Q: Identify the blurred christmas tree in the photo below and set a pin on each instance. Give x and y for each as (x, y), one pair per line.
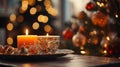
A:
(35, 15)
(96, 35)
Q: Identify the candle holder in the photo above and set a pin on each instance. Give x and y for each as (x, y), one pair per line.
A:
(48, 44)
(28, 41)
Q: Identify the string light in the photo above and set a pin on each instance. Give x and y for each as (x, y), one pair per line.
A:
(45, 19)
(81, 47)
(83, 52)
(33, 11)
(105, 45)
(10, 26)
(100, 4)
(12, 17)
(116, 15)
(47, 28)
(10, 40)
(108, 38)
(105, 51)
(24, 5)
(31, 2)
(42, 18)
(35, 25)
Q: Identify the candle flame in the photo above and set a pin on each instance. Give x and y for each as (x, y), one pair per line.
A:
(26, 31)
(47, 34)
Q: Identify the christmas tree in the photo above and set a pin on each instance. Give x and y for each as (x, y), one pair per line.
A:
(98, 34)
(35, 15)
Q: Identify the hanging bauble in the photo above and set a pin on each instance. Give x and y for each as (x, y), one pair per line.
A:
(100, 19)
(90, 6)
(67, 34)
(82, 15)
(79, 39)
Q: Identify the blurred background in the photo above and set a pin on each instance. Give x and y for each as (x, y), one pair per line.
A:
(89, 27)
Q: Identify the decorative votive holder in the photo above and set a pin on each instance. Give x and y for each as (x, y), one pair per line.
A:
(48, 44)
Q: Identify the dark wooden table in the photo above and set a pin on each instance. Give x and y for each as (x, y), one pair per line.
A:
(70, 60)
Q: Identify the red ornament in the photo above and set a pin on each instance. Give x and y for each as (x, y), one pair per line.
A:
(67, 34)
(100, 19)
(90, 6)
(79, 39)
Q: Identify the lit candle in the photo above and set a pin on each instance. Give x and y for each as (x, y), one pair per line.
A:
(49, 42)
(28, 41)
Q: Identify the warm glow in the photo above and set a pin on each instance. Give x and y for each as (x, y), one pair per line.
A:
(52, 11)
(26, 32)
(42, 18)
(39, 0)
(26, 65)
(10, 26)
(105, 51)
(10, 40)
(47, 34)
(33, 11)
(116, 15)
(81, 47)
(108, 38)
(102, 4)
(94, 32)
(35, 25)
(24, 5)
(31, 2)
(20, 18)
(105, 45)
(98, 3)
(47, 3)
(47, 28)
(83, 52)
(12, 17)
(45, 19)
(21, 10)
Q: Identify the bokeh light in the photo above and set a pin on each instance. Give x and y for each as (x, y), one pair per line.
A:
(49, 8)
(48, 28)
(10, 26)
(45, 19)
(10, 40)
(42, 18)
(33, 11)
(31, 2)
(47, 3)
(35, 25)
(12, 17)
(24, 5)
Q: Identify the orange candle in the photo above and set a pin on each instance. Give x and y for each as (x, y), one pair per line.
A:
(28, 41)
